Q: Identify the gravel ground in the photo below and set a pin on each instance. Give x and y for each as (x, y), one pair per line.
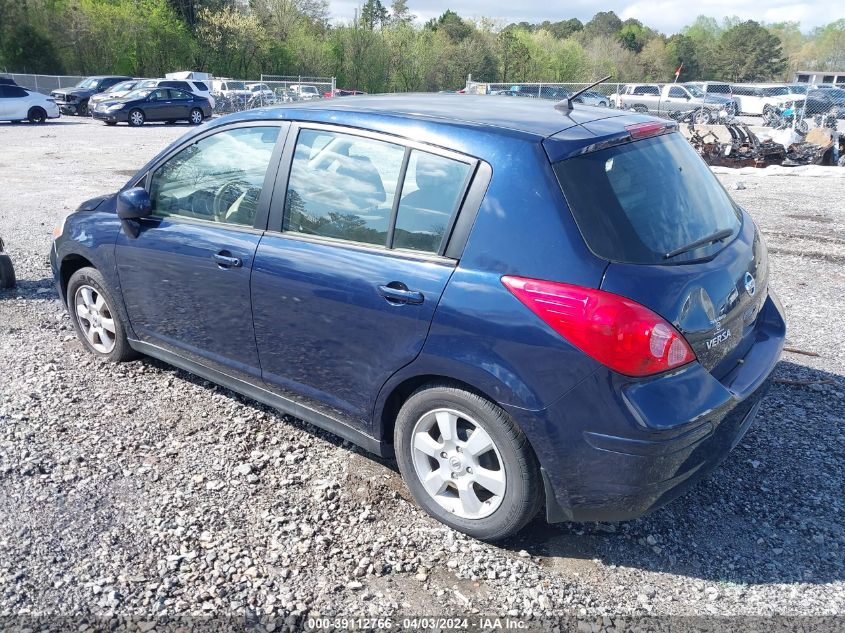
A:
(139, 490)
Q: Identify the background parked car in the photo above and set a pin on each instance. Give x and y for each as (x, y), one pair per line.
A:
(262, 93)
(193, 86)
(712, 87)
(154, 104)
(231, 89)
(74, 100)
(19, 104)
(343, 92)
(757, 100)
(305, 92)
(593, 99)
(115, 92)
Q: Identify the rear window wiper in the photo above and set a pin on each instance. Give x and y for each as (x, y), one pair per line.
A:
(718, 236)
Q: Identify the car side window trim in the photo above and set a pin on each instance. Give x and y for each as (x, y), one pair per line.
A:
(270, 177)
(276, 217)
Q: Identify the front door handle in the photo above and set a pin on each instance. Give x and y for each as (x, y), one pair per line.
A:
(224, 259)
(397, 292)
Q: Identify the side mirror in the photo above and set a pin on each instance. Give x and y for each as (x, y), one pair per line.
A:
(133, 204)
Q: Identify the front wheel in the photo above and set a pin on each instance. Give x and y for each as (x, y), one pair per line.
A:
(82, 109)
(702, 116)
(196, 116)
(96, 321)
(466, 462)
(136, 118)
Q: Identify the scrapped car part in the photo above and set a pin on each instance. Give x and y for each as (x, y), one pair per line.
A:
(7, 271)
(745, 149)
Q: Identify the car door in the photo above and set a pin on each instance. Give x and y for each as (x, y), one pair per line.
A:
(160, 105)
(182, 103)
(5, 103)
(347, 278)
(677, 99)
(185, 276)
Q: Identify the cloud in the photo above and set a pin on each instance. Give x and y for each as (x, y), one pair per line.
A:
(668, 16)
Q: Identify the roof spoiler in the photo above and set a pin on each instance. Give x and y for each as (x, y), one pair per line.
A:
(566, 104)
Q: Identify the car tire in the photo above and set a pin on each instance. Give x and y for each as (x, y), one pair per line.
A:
(195, 117)
(110, 122)
(641, 109)
(136, 118)
(36, 115)
(7, 272)
(96, 320)
(82, 109)
(501, 459)
(702, 116)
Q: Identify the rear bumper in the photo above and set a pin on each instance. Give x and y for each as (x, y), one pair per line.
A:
(614, 448)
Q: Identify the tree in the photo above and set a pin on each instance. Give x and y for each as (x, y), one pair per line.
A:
(373, 14)
(683, 54)
(603, 24)
(748, 52)
(400, 14)
(26, 49)
(450, 23)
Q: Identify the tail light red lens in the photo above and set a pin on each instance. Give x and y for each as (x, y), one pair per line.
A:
(644, 130)
(619, 333)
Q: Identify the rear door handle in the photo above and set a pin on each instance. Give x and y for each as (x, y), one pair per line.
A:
(224, 259)
(397, 292)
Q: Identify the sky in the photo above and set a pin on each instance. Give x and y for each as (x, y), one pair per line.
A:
(667, 16)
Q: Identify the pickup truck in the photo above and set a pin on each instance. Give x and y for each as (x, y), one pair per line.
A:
(674, 98)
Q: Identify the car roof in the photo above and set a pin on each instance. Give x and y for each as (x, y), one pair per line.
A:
(534, 117)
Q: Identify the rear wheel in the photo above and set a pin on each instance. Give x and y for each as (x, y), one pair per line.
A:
(466, 462)
(36, 115)
(96, 321)
(196, 116)
(136, 118)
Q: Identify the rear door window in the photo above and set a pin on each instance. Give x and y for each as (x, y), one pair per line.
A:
(373, 191)
(342, 186)
(638, 202)
(201, 86)
(432, 190)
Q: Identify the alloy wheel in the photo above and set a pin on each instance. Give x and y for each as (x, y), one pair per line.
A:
(458, 463)
(95, 319)
(196, 117)
(137, 117)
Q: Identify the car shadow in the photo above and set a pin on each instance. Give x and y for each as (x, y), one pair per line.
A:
(773, 512)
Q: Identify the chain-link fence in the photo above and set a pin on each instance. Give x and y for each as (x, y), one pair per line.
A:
(44, 84)
(601, 94)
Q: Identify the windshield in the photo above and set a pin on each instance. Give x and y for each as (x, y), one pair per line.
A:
(87, 83)
(638, 201)
(798, 90)
(695, 92)
(123, 86)
(141, 93)
(235, 85)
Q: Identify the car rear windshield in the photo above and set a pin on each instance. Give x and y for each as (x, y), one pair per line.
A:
(638, 202)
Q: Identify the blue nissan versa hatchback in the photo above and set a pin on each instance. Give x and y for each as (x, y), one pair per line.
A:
(526, 305)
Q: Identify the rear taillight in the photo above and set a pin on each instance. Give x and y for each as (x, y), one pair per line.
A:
(619, 333)
(644, 130)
